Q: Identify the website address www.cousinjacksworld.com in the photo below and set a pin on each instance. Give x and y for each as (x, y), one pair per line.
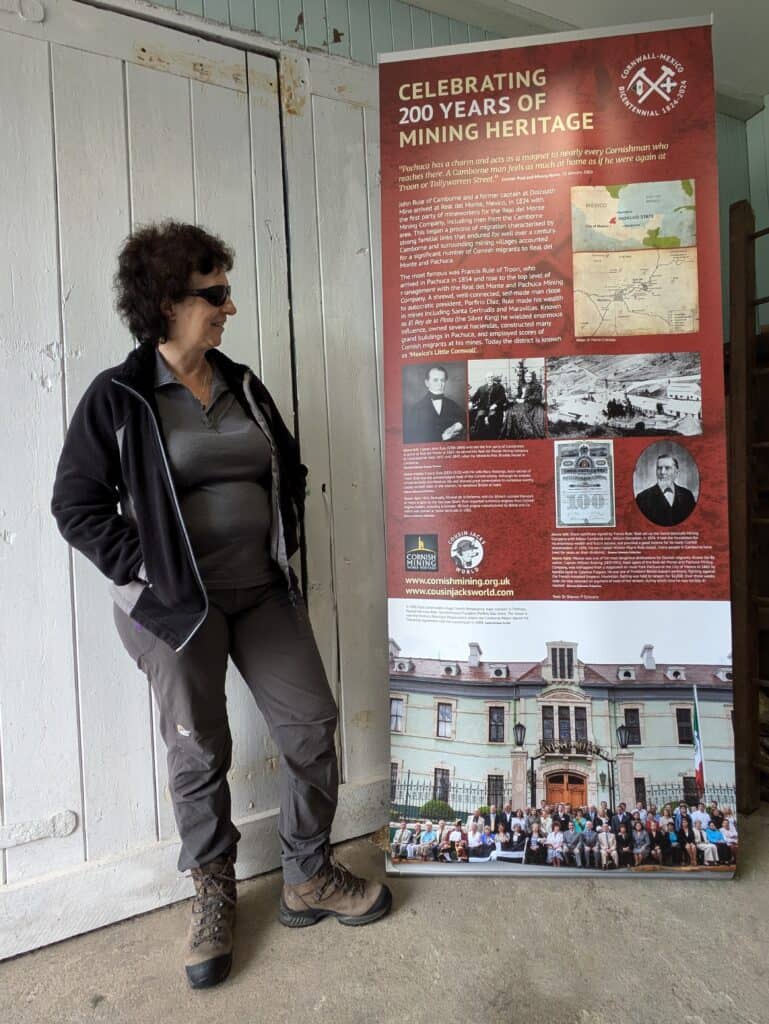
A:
(447, 587)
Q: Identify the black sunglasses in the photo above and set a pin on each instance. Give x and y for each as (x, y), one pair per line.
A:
(216, 295)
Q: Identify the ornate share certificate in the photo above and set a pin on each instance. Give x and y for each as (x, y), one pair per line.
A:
(584, 483)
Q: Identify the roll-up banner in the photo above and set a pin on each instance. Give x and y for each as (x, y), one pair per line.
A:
(558, 570)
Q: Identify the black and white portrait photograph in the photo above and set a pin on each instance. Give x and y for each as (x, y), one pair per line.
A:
(506, 399)
(624, 396)
(666, 483)
(434, 402)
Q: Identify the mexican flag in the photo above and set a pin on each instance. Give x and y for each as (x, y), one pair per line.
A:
(699, 765)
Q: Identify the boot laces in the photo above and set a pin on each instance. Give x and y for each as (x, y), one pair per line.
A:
(214, 891)
(339, 878)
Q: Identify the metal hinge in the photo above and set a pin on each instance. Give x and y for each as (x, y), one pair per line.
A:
(56, 827)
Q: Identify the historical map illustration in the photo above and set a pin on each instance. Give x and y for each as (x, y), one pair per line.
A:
(635, 259)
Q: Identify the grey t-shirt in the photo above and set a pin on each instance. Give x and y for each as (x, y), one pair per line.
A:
(220, 462)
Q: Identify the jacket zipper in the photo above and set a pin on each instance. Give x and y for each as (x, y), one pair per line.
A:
(258, 415)
(176, 505)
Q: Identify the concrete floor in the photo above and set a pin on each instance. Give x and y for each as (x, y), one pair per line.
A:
(598, 950)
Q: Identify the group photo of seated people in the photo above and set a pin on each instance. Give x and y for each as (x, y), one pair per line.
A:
(677, 835)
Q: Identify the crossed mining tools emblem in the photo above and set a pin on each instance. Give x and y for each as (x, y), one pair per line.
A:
(644, 86)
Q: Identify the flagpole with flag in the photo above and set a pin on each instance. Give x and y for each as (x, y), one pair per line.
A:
(699, 758)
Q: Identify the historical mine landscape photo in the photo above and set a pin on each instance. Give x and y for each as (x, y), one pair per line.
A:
(624, 396)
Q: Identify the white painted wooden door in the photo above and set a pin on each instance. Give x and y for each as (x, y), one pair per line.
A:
(108, 123)
(331, 134)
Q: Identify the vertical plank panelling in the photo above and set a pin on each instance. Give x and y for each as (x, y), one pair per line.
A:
(360, 32)
(338, 21)
(270, 232)
(224, 205)
(353, 404)
(221, 152)
(421, 32)
(401, 19)
(159, 138)
(242, 14)
(315, 27)
(160, 144)
(268, 18)
(381, 26)
(733, 184)
(441, 30)
(217, 10)
(190, 7)
(309, 355)
(460, 33)
(94, 217)
(364, 27)
(39, 742)
(292, 21)
(758, 163)
(372, 154)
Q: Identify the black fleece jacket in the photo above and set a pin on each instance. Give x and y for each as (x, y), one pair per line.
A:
(114, 498)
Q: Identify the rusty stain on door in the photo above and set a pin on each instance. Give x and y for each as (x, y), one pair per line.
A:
(190, 65)
(293, 87)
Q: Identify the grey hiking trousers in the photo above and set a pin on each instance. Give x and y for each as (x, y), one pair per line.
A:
(270, 641)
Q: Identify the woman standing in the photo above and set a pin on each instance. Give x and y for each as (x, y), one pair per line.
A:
(665, 817)
(179, 480)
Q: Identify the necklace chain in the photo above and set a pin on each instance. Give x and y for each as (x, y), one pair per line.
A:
(204, 384)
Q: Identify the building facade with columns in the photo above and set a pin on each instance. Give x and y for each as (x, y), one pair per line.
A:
(453, 729)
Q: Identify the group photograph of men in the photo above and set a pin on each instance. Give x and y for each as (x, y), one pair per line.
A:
(699, 837)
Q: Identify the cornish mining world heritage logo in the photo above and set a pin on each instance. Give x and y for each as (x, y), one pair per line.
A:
(421, 552)
(467, 551)
(652, 84)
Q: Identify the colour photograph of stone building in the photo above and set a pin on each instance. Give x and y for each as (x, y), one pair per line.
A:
(478, 733)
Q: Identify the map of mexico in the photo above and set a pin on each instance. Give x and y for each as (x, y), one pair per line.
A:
(635, 259)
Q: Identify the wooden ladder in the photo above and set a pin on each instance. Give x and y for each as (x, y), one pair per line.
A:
(748, 418)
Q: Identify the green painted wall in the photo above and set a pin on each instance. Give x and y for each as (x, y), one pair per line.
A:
(758, 163)
(359, 29)
(733, 184)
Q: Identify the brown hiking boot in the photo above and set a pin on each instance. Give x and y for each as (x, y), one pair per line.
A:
(209, 939)
(333, 892)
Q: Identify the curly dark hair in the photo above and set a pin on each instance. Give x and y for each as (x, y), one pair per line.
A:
(154, 264)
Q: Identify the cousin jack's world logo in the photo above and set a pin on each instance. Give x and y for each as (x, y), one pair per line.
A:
(652, 84)
(421, 552)
(467, 551)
